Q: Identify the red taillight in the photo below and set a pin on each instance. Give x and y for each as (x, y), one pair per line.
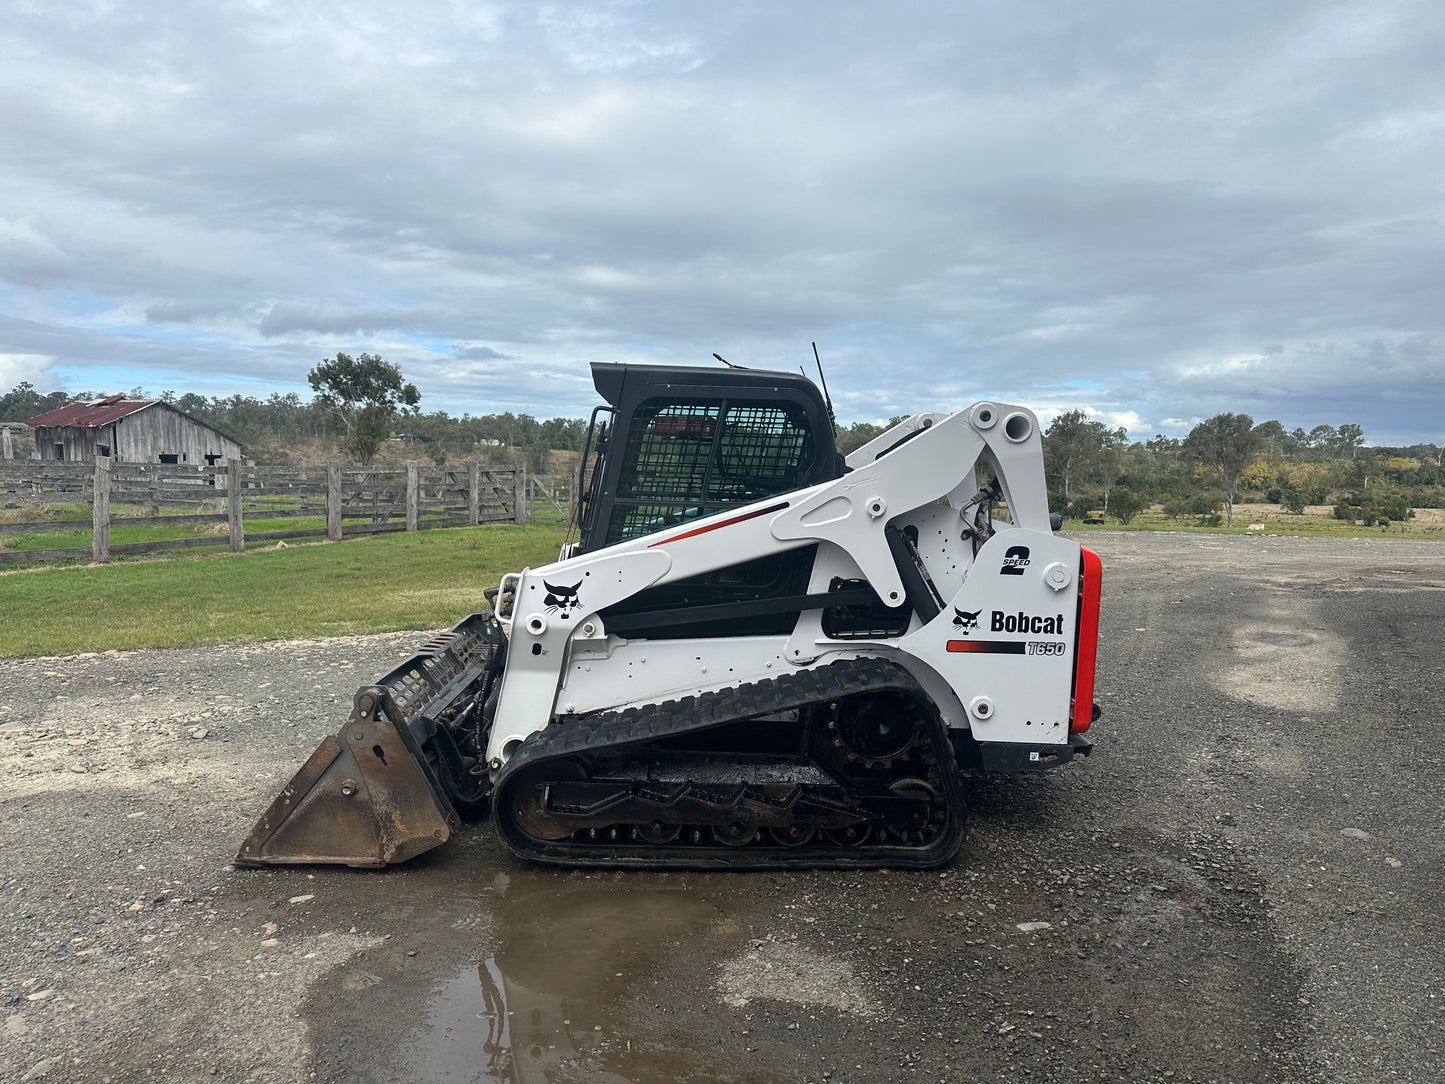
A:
(1086, 646)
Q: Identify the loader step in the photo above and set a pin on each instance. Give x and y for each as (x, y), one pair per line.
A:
(872, 780)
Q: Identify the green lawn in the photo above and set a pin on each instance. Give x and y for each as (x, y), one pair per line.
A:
(1427, 525)
(120, 532)
(379, 583)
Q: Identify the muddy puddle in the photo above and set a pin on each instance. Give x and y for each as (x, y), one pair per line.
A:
(576, 982)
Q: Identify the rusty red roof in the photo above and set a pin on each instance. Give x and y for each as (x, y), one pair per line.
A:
(89, 415)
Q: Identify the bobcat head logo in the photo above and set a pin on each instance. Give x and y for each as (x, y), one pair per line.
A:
(561, 600)
(965, 622)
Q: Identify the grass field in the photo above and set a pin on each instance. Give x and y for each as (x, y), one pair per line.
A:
(380, 583)
(120, 533)
(542, 512)
(374, 584)
(1316, 522)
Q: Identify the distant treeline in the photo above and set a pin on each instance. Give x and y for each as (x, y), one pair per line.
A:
(1227, 459)
(1224, 460)
(271, 429)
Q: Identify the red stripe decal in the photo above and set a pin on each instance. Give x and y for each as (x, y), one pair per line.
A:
(719, 526)
(1086, 648)
(987, 647)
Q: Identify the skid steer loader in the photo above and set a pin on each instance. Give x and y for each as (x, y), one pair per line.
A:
(757, 654)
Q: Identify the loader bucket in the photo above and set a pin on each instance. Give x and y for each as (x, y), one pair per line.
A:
(360, 800)
(381, 790)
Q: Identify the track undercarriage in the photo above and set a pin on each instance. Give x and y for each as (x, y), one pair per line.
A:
(845, 766)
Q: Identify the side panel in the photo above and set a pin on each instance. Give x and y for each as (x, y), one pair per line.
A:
(1005, 642)
(622, 672)
(550, 605)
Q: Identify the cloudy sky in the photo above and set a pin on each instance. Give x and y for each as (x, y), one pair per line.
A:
(1151, 211)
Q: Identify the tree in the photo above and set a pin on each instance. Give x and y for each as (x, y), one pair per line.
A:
(1227, 444)
(1274, 440)
(23, 401)
(853, 437)
(1127, 504)
(1347, 438)
(365, 394)
(1071, 445)
(1321, 437)
(1112, 445)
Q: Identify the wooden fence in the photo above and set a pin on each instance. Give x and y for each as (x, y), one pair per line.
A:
(552, 495)
(350, 500)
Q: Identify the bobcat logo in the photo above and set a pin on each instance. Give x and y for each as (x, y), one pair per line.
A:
(561, 600)
(965, 622)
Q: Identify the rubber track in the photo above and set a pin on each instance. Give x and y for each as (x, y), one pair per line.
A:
(567, 737)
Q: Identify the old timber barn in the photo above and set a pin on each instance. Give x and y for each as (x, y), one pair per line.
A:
(128, 431)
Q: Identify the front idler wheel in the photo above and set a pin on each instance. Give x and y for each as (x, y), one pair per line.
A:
(529, 803)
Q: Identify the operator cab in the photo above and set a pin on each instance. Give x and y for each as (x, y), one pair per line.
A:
(684, 442)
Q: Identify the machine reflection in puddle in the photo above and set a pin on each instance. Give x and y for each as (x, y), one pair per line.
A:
(567, 994)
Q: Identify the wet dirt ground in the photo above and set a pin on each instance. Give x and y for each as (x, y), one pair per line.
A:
(1242, 884)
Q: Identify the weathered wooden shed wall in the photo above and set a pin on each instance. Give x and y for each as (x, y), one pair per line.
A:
(70, 443)
(150, 435)
(15, 441)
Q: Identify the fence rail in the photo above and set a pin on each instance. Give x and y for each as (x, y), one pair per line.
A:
(349, 500)
(552, 493)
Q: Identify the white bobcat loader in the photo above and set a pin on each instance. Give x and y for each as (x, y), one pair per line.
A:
(758, 654)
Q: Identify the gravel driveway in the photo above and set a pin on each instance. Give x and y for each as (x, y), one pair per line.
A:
(1242, 884)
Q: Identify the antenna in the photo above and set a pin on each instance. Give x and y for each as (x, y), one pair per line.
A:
(824, 380)
(724, 360)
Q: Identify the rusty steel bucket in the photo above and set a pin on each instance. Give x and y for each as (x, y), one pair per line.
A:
(383, 789)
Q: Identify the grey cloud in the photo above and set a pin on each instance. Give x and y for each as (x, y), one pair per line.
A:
(481, 353)
(189, 311)
(286, 318)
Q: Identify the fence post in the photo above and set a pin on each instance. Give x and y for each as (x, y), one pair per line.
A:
(100, 512)
(235, 524)
(413, 494)
(519, 495)
(474, 494)
(333, 501)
